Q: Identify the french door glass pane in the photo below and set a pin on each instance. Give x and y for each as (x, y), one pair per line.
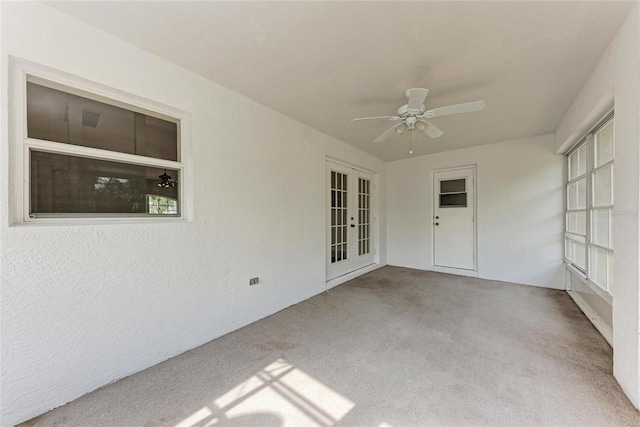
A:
(578, 162)
(63, 184)
(364, 227)
(577, 222)
(54, 115)
(338, 216)
(600, 266)
(604, 144)
(601, 227)
(602, 187)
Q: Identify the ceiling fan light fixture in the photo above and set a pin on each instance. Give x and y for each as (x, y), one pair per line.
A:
(402, 128)
(421, 126)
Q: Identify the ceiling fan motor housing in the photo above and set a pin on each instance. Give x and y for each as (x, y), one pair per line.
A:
(404, 111)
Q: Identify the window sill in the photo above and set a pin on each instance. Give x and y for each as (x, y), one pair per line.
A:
(43, 222)
(595, 288)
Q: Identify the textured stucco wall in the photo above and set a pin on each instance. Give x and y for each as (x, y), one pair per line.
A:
(519, 210)
(616, 82)
(83, 305)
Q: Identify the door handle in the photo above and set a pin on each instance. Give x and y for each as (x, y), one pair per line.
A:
(353, 226)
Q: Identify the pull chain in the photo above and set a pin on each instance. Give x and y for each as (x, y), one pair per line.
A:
(411, 141)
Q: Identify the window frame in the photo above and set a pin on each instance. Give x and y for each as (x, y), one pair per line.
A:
(21, 72)
(589, 142)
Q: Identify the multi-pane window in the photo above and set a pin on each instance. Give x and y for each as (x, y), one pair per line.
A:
(89, 156)
(589, 195)
(161, 205)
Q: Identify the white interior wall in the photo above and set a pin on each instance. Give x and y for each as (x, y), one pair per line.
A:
(616, 81)
(83, 305)
(519, 210)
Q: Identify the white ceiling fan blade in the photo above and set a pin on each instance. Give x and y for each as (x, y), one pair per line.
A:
(467, 107)
(377, 117)
(386, 133)
(433, 131)
(416, 98)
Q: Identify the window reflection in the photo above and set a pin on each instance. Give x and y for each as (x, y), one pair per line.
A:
(69, 184)
(53, 115)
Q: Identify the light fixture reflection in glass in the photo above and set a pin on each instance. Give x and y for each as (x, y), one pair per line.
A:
(166, 181)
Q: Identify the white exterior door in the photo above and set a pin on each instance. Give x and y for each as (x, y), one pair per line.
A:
(349, 220)
(454, 218)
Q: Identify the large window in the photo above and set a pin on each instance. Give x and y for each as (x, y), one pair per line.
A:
(88, 156)
(589, 196)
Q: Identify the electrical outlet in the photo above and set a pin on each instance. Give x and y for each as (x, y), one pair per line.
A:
(253, 281)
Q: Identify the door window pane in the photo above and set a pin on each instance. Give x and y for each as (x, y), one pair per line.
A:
(364, 197)
(452, 186)
(54, 115)
(68, 184)
(338, 216)
(453, 200)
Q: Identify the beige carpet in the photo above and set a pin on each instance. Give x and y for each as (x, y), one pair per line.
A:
(396, 347)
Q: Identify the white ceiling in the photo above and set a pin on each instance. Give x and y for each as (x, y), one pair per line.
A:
(323, 63)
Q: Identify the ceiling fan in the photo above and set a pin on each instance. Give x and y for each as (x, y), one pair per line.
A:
(412, 115)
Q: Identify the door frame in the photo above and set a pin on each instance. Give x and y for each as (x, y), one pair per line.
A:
(434, 191)
(375, 223)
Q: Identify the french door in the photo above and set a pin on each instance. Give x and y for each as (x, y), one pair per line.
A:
(349, 220)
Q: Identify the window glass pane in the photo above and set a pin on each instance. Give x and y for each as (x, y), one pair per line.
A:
(575, 250)
(601, 227)
(452, 186)
(577, 222)
(58, 116)
(577, 194)
(604, 144)
(600, 266)
(453, 200)
(602, 187)
(578, 162)
(68, 184)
